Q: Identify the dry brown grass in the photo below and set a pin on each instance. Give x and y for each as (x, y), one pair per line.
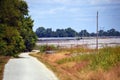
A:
(76, 49)
(3, 61)
(60, 70)
(67, 71)
(75, 70)
(111, 74)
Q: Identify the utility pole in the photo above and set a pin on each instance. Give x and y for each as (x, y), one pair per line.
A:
(83, 37)
(97, 32)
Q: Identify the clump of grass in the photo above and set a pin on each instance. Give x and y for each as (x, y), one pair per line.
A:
(36, 47)
(44, 48)
(106, 58)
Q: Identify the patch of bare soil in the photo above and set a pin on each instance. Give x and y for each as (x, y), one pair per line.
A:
(3, 61)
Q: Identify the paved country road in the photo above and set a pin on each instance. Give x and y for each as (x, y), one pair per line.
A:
(27, 68)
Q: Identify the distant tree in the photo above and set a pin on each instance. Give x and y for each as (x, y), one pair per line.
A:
(48, 32)
(117, 33)
(84, 33)
(70, 32)
(40, 32)
(80, 34)
(92, 34)
(54, 34)
(61, 33)
(105, 33)
(111, 32)
(101, 33)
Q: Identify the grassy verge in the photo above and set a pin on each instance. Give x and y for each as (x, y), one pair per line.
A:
(3, 61)
(84, 64)
(104, 59)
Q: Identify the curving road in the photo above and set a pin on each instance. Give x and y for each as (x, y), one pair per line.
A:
(27, 68)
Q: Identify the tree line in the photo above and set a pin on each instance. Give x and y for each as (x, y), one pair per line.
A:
(16, 34)
(69, 32)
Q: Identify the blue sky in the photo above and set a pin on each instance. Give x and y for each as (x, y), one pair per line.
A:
(77, 14)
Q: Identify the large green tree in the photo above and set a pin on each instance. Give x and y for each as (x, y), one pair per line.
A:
(16, 33)
(27, 34)
(11, 43)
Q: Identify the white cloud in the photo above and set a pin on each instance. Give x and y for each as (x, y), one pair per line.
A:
(37, 13)
(53, 10)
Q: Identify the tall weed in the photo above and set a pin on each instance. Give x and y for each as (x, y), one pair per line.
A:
(105, 58)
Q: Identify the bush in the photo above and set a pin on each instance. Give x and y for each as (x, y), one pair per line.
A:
(44, 48)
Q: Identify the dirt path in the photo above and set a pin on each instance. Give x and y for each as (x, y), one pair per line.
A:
(27, 68)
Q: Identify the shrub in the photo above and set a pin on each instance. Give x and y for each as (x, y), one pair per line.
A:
(11, 43)
(44, 48)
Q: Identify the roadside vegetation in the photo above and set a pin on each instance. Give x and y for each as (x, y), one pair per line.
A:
(83, 63)
(45, 48)
(16, 34)
(3, 61)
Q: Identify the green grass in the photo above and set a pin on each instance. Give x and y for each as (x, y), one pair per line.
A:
(105, 58)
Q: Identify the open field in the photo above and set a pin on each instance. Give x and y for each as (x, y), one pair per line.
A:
(87, 42)
(84, 63)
